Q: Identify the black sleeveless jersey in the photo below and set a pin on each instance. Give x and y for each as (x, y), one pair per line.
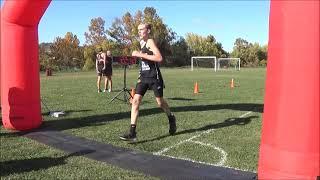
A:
(149, 70)
(100, 63)
(108, 61)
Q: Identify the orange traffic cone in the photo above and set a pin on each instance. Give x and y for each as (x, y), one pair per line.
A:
(232, 83)
(132, 93)
(196, 88)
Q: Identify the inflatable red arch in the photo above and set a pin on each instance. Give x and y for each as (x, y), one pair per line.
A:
(289, 146)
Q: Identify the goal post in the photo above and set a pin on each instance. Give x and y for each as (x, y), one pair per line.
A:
(210, 60)
(226, 63)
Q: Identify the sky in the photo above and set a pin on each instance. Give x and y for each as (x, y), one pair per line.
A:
(225, 20)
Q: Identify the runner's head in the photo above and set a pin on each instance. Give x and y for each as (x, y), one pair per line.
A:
(144, 30)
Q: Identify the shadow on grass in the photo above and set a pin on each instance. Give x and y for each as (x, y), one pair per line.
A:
(64, 124)
(11, 134)
(94, 120)
(67, 112)
(226, 123)
(181, 99)
(35, 164)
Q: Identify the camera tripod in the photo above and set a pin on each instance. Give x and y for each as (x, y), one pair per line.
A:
(124, 90)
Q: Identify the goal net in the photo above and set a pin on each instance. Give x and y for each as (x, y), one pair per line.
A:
(228, 64)
(204, 62)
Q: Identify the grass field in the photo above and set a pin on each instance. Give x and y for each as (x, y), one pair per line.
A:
(219, 126)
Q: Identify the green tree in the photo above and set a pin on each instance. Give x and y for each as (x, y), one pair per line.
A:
(112, 46)
(45, 57)
(180, 55)
(263, 55)
(89, 57)
(66, 52)
(124, 31)
(161, 33)
(241, 50)
(97, 33)
(251, 54)
(204, 46)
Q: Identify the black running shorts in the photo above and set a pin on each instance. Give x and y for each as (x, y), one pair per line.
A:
(107, 71)
(156, 86)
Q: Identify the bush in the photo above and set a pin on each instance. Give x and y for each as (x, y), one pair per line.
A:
(88, 65)
(263, 63)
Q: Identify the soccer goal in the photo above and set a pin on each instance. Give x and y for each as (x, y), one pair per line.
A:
(204, 62)
(228, 64)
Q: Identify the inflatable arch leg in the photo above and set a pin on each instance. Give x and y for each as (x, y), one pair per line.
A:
(20, 84)
(289, 146)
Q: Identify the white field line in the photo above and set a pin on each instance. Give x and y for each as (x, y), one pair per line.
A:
(187, 159)
(206, 163)
(243, 115)
(181, 142)
(222, 152)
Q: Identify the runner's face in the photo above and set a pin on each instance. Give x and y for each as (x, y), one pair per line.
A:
(143, 32)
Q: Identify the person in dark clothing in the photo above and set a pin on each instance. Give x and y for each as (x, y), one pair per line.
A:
(100, 67)
(149, 78)
(108, 71)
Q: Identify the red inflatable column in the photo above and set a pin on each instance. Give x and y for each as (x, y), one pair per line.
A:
(20, 84)
(290, 136)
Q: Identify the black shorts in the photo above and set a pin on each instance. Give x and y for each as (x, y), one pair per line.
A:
(100, 72)
(105, 72)
(156, 86)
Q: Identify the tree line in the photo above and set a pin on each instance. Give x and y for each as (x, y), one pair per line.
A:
(122, 38)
